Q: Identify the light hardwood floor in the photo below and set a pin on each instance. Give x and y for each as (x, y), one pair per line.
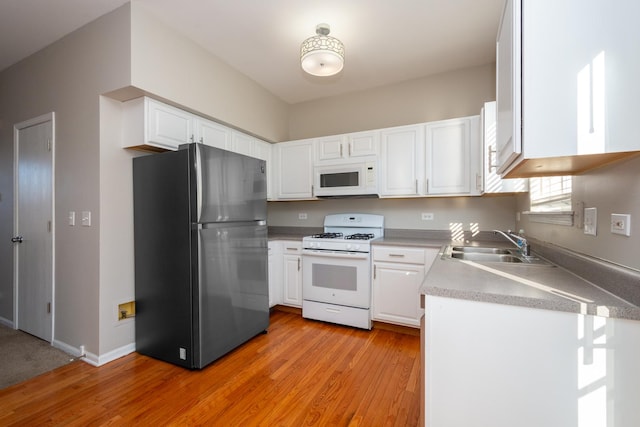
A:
(301, 372)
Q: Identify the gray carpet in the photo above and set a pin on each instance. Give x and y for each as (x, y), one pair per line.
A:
(24, 356)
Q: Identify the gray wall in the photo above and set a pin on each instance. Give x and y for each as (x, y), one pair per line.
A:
(487, 213)
(65, 78)
(610, 189)
(442, 96)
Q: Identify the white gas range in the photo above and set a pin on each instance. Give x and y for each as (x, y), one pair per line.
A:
(336, 273)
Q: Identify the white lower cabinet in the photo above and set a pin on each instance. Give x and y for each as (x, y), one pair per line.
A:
(502, 366)
(398, 273)
(292, 273)
(275, 273)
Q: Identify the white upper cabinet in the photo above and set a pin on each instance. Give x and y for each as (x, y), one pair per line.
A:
(293, 162)
(571, 106)
(492, 181)
(151, 125)
(452, 157)
(241, 143)
(212, 134)
(347, 146)
(401, 161)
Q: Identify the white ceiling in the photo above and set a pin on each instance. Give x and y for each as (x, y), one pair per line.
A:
(386, 41)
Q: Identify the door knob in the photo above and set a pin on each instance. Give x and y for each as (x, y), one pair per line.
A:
(17, 239)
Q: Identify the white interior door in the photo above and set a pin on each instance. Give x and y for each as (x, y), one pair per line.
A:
(33, 238)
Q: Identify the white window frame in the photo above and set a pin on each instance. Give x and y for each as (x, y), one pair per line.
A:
(550, 199)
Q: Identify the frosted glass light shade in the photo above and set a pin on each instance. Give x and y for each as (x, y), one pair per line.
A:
(322, 55)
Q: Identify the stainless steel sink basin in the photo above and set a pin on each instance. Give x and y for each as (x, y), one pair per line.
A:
(490, 254)
(485, 257)
(479, 250)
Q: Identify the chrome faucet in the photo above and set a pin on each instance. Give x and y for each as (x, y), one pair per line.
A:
(520, 242)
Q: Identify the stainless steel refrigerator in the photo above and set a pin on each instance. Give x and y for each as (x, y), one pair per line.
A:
(200, 253)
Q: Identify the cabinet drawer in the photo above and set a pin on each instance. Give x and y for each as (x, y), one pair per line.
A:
(291, 247)
(402, 255)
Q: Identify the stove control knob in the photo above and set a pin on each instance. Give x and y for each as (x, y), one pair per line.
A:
(356, 247)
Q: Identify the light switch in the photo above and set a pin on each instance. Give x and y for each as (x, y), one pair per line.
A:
(86, 218)
(72, 218)
(590, 221)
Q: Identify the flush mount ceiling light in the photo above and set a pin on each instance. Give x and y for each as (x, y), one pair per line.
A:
(322, 55)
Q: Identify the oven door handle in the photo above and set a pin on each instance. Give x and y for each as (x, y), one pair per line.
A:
(335, 254)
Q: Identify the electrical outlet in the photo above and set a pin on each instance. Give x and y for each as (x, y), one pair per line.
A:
(302, 215)
(427, 216)
(590, 221)
(621, 224)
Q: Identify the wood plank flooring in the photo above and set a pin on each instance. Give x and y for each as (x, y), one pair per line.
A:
(301, 373)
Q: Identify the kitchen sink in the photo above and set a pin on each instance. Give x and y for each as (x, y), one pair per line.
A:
(479, 250)
(485, 257)
(491, 255)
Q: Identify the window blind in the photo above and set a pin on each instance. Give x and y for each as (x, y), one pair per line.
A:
(550, 194)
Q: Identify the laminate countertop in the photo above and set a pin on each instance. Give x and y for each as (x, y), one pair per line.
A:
(546, 286)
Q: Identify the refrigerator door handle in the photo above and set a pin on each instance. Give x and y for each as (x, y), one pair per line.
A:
(198, 171)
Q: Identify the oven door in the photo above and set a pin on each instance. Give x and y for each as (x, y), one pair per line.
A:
(342, 278)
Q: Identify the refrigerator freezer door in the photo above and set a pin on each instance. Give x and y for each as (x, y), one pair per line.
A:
(230, 186)
(233, 293)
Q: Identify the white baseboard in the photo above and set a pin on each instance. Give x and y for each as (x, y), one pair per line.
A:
(94, 359)
(6, 322)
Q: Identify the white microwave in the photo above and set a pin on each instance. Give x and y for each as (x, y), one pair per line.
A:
(346, 178)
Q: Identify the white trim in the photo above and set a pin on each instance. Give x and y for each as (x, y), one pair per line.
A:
(48, 117)
(557, 218)
(6, 322)
(92, 358)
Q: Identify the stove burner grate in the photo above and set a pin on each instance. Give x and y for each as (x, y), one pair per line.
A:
(360, 236)
(327, 236)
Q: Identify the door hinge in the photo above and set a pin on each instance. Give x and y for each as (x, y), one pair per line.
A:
(48, 144)
(48, 308)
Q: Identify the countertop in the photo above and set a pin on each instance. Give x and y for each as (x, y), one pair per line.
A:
(548, 287)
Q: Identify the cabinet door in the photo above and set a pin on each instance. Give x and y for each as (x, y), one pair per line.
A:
(362, 144)
(168, 126)
(292, 280)
(396, 293)
(275, 273)
(294, 161)
(401, 161)
(492, 181)
(241, 143)
(508, 86)
(450, 166)
(213, 134)
(331, 147)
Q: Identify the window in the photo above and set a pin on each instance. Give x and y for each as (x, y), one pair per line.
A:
(550, 194)
(551, 200)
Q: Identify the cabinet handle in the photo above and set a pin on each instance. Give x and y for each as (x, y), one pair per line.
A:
(426, 186)
(416, 186)
(340, 150)
(292, 249)
(349, 149)
(374, 271)
(202, 140)
(490, 152)
(192, 138)
(312, 189)
(397, 255)
(298, 264)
